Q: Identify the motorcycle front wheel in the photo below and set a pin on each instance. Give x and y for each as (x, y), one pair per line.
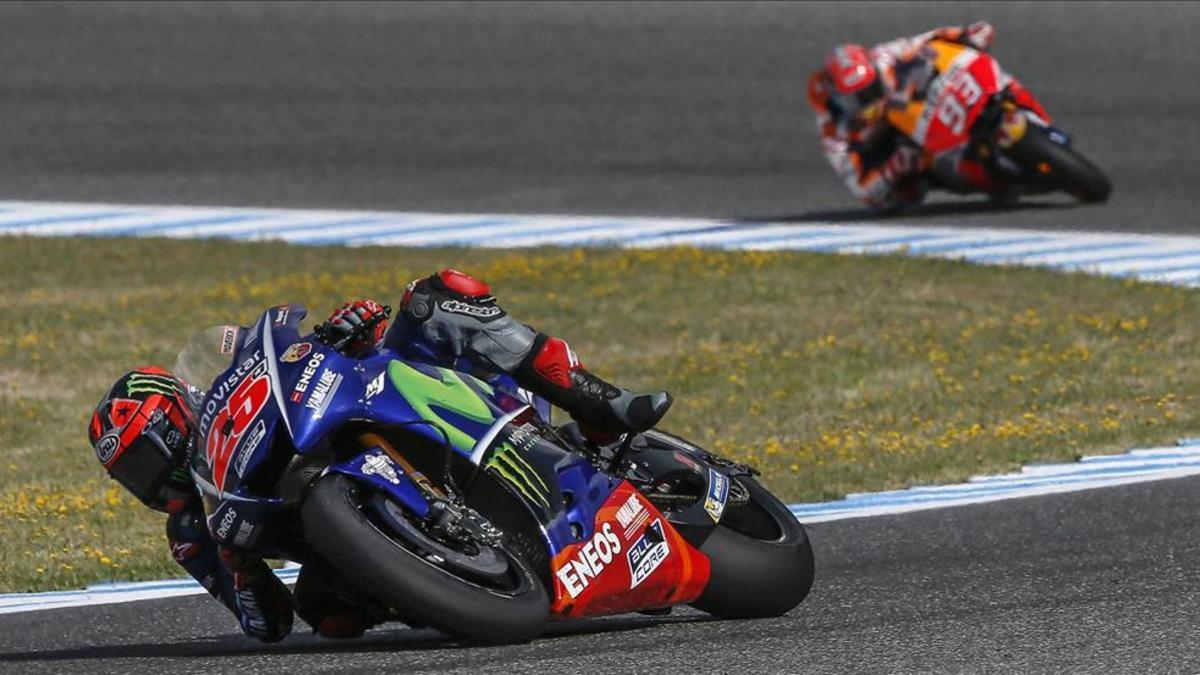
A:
(1061, 165)
(481, 593)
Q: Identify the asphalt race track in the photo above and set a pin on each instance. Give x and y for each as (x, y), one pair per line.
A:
(1095, 581)
(675, 109)
(648, 110)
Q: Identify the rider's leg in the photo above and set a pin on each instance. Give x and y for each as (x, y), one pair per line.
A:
(958, 171)
(244, 584)
(453, 315)
(320, 607)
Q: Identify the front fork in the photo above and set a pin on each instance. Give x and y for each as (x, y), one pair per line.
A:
(385, 468)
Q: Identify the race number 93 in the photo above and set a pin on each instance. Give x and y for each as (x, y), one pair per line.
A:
(960, 96)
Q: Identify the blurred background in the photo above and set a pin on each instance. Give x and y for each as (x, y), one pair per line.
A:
(621, 108)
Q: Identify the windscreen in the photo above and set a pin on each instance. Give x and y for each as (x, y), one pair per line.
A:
(207, 354)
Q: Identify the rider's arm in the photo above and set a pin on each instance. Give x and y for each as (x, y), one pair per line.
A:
(978, 35)
(253, 593)
(865, 179)
(867, 184)
(349, 318)
(878, 183)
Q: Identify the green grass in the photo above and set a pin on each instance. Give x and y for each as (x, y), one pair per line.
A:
(829, 373)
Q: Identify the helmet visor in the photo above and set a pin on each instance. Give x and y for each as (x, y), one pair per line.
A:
(144, 469)
(856, 101)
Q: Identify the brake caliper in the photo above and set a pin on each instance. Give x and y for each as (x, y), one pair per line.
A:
(456, 522)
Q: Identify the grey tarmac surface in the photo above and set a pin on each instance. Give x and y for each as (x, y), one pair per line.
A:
(1097, 581)
(665, 109)
(626, 109)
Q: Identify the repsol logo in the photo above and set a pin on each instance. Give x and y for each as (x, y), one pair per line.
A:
(590, 562)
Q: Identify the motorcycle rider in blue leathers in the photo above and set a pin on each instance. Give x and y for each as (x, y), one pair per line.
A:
(144, 431)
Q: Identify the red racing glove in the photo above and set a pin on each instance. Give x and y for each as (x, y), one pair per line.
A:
(347, 318)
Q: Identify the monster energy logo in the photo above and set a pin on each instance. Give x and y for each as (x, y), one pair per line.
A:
(516, 470)
(143, 383)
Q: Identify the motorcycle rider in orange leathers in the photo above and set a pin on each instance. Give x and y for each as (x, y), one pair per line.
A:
(850, 95)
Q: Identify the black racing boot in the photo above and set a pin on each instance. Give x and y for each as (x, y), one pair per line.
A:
(551, 370)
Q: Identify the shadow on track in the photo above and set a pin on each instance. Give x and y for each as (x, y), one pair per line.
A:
(931, 210)
(394, 640)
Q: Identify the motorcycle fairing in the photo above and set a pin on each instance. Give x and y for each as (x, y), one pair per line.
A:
(301, 386)
(237, 422)
(240, 523)
(562, 490)
(633, 560)
(674, 458)
(939, 118)
(458, 403)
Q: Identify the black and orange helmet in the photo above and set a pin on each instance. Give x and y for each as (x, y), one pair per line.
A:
(141, 432)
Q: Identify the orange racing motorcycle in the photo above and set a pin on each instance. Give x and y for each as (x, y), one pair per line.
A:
(958, 101)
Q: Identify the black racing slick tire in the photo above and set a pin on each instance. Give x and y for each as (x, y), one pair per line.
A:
(760, 557)
(1062, 165)
(420, 592)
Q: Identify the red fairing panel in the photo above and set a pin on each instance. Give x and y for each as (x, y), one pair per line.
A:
(963, 94)
(634, 560)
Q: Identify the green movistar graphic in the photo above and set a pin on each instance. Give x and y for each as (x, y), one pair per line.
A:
(141, 383)
(447, 391)
(509, 463)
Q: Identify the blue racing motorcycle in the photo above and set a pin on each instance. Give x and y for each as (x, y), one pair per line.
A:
(448, 500)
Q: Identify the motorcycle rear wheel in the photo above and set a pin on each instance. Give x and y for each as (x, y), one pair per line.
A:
(1061, 165)
(340, 526)
(761, 559)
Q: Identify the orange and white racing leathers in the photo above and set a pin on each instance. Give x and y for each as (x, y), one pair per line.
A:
(869, 156)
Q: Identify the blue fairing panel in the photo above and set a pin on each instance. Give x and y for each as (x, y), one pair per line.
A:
(375, 468)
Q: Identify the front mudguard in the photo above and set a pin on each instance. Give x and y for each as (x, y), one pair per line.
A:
(375, 468)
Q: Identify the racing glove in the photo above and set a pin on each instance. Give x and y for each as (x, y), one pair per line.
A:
(347, 319)
(979, 35)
